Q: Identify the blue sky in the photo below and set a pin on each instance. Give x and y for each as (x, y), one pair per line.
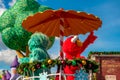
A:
(108, 35)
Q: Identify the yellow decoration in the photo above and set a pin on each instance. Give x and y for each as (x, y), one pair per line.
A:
(33, 69)
(20, 71)
(83, 62)
(49, 61)
(27, 77)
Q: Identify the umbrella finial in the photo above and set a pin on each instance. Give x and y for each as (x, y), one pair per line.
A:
(61, 9)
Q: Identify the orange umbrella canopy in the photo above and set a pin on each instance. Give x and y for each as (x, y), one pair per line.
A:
(73, 22)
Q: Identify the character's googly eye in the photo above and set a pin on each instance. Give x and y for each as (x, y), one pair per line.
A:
(73, 40)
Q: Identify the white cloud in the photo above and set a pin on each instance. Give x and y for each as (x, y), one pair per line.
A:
(2, 10)
(2, 45)
(12, 3)
(2, 7)
(57, 38)
(54, 55)
(7, 55)
(2, 4)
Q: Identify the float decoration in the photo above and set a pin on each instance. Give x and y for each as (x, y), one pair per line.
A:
(49, 63)
(13, 67)
(62, 23)
(13, 34)
(81, 75)
(43, 76)
(8, 75)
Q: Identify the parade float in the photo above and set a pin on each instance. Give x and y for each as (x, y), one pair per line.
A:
(31, 29)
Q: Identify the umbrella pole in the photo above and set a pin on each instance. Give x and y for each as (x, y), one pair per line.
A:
(61, 37)
(61, 44)
(90, 74)
(60, 73)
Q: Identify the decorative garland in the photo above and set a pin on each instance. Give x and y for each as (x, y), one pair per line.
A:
(48, 63)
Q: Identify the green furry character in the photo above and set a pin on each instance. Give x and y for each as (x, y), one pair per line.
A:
(38, 47)
(38, 44)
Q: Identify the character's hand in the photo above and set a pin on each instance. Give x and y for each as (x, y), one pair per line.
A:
(92, 37)
(91, 33)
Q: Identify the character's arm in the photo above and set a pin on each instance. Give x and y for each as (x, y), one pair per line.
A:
(90, 39)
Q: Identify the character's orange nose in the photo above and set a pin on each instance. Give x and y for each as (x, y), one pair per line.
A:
(78, 42)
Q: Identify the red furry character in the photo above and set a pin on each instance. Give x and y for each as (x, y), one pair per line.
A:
(73, 48)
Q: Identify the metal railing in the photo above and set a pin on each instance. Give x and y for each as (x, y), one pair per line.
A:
(48, 75)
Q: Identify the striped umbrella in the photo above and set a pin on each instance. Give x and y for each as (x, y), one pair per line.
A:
(61, 23)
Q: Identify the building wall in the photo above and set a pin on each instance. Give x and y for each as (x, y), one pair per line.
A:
(109, 65)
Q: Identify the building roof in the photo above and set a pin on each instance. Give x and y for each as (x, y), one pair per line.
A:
(104, 53)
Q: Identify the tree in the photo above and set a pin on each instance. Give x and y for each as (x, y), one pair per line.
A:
(13, 34)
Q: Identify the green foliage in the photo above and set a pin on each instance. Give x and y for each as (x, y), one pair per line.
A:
(25, 5)
(43, 8)
(0, 76)
(15, 38)
(6, 20)
(13, 34)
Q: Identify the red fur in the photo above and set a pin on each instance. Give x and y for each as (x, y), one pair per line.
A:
(73, 51)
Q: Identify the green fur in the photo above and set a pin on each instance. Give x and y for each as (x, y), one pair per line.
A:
(38, 40)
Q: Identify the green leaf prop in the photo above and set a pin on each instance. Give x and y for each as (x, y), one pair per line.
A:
(13, 34)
